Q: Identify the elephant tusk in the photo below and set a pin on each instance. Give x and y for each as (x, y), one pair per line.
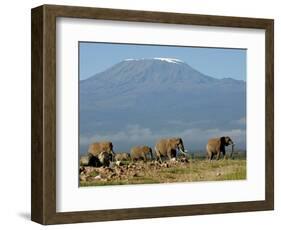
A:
(181, 150)
(184, 152)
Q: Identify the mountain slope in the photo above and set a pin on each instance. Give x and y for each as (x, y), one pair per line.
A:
(162, 96)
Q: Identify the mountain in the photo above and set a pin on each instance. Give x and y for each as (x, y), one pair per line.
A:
(138, 101)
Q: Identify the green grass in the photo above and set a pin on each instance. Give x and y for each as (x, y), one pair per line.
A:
(238, 174)
(93, 174)
(175, 170)
(141, 180)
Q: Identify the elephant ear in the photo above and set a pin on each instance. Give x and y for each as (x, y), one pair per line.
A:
(222, 139)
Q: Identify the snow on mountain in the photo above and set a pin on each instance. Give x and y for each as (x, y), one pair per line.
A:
(170, 60)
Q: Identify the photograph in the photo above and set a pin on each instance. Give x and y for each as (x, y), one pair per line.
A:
(161, 114)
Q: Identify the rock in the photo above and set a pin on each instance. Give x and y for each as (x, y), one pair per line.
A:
(139, 167)
(165, 165)
(135, 175)
(119, 163)
(125, 167)
(184, 159)
(81, 169)
(173, 159)
(84, 160)
(119, 171)
(89, 169)
(98, 177)
(111, 175)
(108, 170)
(112, 164)
(83, 178)
(104, 170)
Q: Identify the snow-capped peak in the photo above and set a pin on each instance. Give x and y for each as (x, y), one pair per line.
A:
(170, 60)
(131, 59)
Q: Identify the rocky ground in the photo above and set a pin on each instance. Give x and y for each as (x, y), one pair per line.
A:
(180, 170)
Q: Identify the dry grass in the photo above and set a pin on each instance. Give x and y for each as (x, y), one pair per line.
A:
(149, 173)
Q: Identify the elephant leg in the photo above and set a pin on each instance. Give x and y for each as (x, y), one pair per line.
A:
(169, 154)
(144, 157)
(218, 155)
(209, 155)
(158, 155)
(223, 153)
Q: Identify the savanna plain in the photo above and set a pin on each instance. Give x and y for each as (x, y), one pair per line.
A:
(196, 168)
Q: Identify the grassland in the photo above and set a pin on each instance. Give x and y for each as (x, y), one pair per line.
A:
(167, 172)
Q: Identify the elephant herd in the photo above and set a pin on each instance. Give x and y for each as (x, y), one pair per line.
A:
(102, 154)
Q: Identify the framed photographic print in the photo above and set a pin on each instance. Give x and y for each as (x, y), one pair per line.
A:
(141, 114)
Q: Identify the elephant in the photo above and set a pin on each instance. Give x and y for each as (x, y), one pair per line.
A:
(141, 152)
(168, 148)
(103, 159)
(122, 156)
(216, 146)
(104, 146)
(85, 160)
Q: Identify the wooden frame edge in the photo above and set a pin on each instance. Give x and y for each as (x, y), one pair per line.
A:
(37, 214)
(43, 98)
(269, 116)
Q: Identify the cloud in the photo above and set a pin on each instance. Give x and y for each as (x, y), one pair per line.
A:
(131, 133)
(241, 121)
(193, 137)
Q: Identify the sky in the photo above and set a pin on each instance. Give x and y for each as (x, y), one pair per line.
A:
(215, 62)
